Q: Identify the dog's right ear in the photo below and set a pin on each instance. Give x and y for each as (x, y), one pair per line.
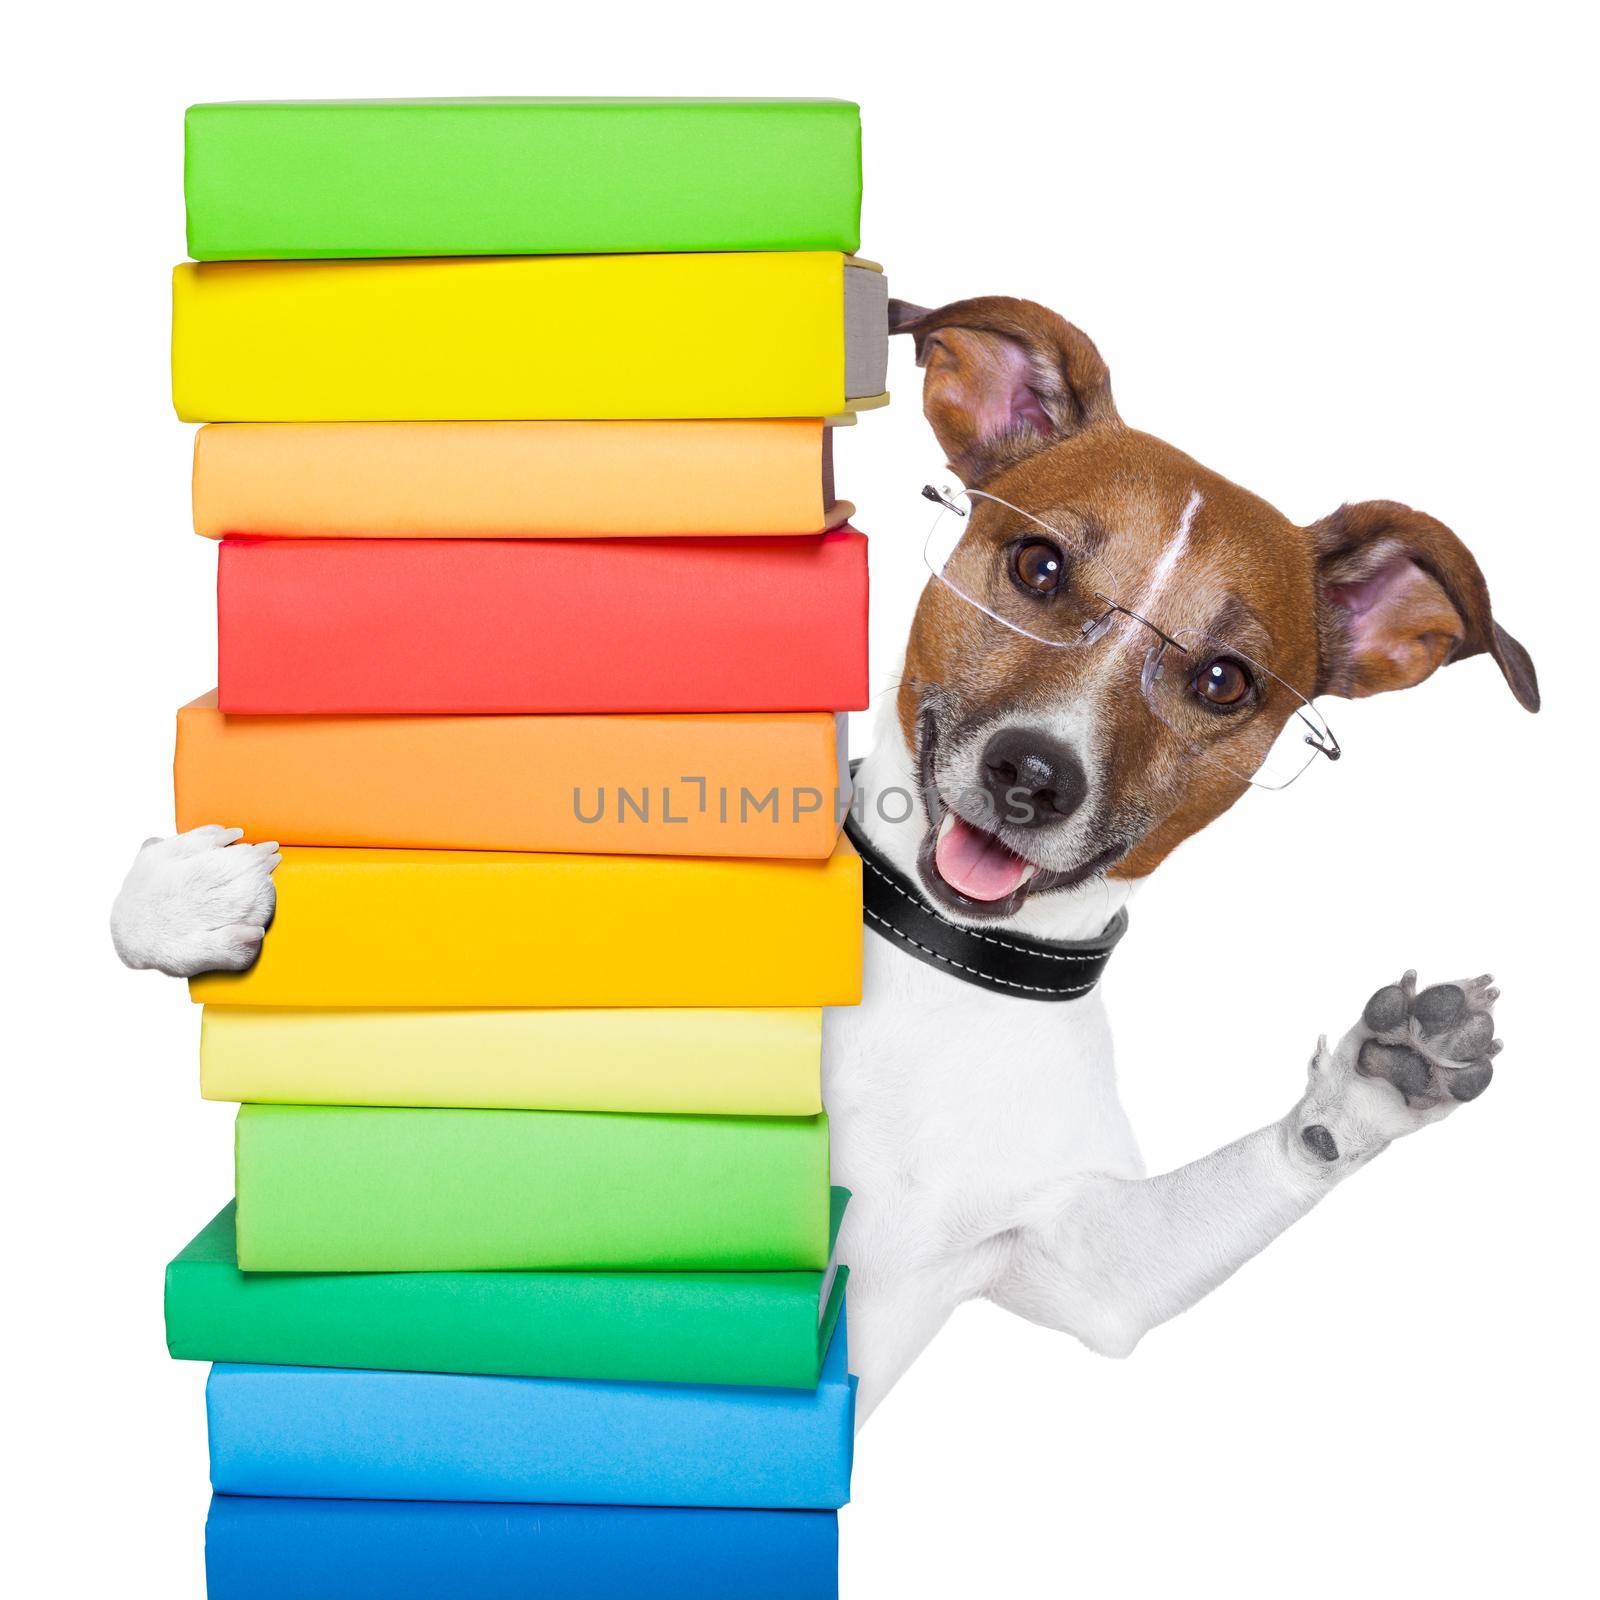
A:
(1005, 378)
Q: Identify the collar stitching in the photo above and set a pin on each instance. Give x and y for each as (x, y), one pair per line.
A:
(978, 972)
(972, 933)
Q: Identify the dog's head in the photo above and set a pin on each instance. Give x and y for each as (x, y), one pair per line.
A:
(1120, 640)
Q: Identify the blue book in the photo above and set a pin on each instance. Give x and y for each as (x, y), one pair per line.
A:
(338, 1434)
(408, 1550)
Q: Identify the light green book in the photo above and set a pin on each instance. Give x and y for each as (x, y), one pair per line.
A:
(286, 179)
(380, 1189)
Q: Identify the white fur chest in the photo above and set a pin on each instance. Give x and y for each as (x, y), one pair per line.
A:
(951, 1109)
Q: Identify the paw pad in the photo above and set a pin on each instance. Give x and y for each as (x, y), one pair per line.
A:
(1437, 1008)
(1434, 1046)
(1386, 1010)
(1410, 1072)
(1319, 1142)
(1470, 1082)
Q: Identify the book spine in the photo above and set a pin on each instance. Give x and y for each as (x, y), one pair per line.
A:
(635, 784)
(316, 180)
(521, 338)
(512, 480)
(364, 626)
(321, 1433)
(298, 1549)
(642, 1327)
(359, 1189)
(398, 929)
(710, 1062)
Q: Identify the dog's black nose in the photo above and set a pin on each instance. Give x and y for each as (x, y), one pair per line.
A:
(1032, 781)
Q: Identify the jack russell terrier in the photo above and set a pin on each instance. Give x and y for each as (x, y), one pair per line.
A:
(1114, 645)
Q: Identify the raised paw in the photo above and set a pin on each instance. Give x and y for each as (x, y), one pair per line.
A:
(1411, 1059)
(1436, 1044)
(199, 902)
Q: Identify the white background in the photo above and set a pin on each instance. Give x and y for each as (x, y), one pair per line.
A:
(1334, 254)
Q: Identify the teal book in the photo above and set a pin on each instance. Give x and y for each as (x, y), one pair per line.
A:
(768, 1329)
(300, 179)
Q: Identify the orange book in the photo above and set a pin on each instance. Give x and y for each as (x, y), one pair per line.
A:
(754, 784)
(514, 480)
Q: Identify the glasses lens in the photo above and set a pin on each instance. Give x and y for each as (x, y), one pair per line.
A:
(1011, 566)
(1223, 705)
(1227, 707)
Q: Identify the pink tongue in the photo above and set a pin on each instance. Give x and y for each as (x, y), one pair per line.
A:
(977, 865)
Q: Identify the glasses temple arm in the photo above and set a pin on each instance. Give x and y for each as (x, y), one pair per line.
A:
(1323, 739)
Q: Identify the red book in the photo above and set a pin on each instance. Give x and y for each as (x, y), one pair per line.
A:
(599, 625)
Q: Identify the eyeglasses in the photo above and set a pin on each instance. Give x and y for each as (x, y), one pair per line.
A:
(1222, 704)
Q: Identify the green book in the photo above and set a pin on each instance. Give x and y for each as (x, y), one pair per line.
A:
(291, 179)
(379, 1189)
(765, 1328)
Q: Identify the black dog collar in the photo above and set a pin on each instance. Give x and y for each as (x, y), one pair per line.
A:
(1028, 969)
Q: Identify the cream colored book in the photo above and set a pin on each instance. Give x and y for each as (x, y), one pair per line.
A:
(730, 1062)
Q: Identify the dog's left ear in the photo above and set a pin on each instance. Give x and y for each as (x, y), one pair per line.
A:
(1005, 378)
(1399, 597)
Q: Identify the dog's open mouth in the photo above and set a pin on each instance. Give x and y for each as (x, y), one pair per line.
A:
(976, 864)
(973, 870)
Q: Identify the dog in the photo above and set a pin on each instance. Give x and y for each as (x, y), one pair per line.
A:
(1115, 643)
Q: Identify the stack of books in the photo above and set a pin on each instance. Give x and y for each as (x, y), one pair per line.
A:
(537, 617)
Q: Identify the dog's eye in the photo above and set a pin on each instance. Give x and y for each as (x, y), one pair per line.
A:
(1223, 682)
(1038, 566)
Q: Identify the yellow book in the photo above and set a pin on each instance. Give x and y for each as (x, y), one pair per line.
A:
(715, 1063)
(793, 334)
(447, 929)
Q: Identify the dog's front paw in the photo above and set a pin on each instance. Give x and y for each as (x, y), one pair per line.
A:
(1411, 1059)
(199, 902)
